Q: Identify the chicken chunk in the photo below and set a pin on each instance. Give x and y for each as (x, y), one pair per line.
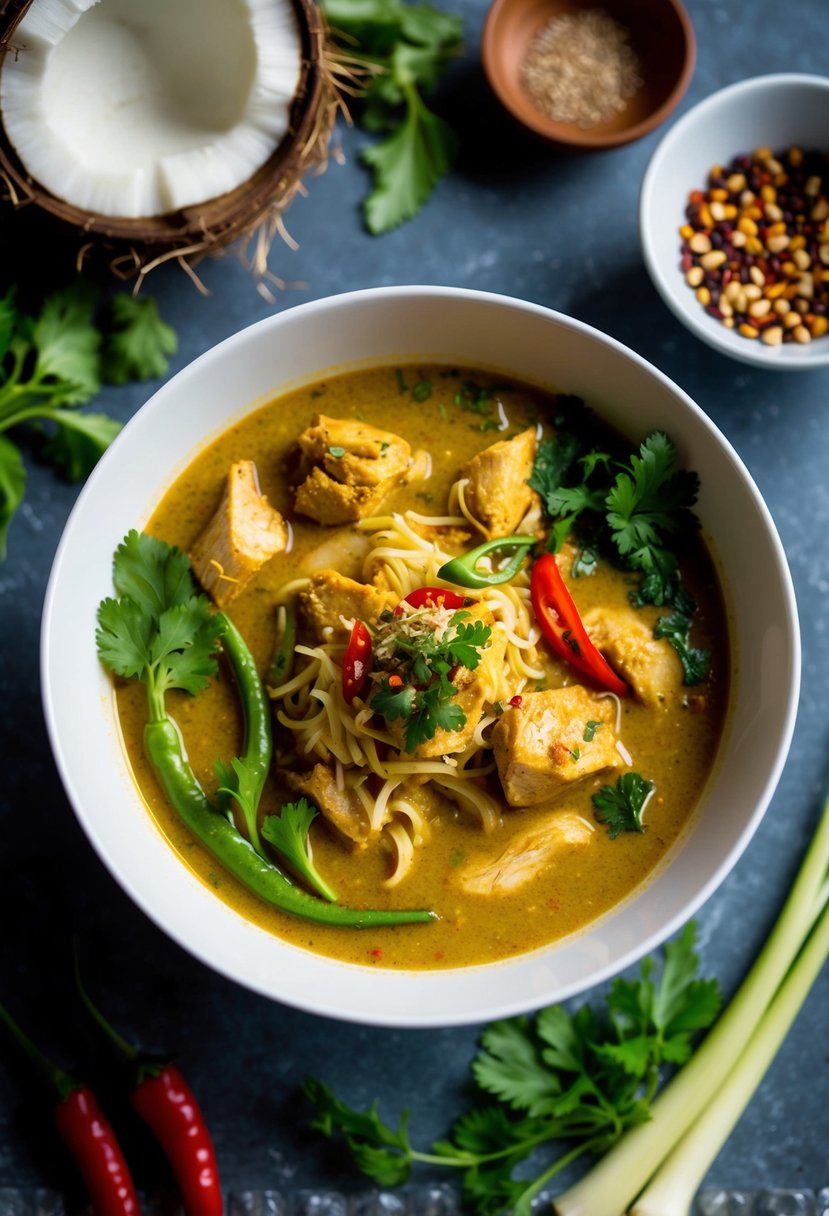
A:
(331, 598)
(348, 468)
(540, 746)
(341, 808)
(527, 855)
(243, 534)
(649, 665)
(498, 495)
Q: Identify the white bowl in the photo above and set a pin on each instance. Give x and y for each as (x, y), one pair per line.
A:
(768, 111)
(390, 325)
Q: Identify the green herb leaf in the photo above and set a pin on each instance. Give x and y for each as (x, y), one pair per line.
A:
(139, 343)
(9, 320)
(12, 487)
(676, 628)
(649, 502)
(238, 783)
(67, 345)
(379, 1151)
(590, 730)
(288, 833)
(620, 807)
(78, 441)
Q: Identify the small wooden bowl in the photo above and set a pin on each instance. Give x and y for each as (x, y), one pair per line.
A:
(660, 34)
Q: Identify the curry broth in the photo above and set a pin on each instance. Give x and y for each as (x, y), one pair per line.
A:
(675, 746)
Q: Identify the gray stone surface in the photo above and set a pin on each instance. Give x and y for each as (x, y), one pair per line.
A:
(515, 218)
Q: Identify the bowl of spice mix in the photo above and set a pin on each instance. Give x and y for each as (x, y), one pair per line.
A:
(734, 220)
(587, 76)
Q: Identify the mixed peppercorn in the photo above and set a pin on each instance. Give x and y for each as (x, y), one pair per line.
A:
(755, 245)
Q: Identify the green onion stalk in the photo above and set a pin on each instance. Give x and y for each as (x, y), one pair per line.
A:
(663, 1161)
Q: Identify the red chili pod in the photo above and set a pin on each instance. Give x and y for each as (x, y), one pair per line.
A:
(428, 597)
(168, 1106)
(88, 1134)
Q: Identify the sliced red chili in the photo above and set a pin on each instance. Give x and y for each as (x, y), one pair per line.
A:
(357, 662)
(562, 627)
(433, 597)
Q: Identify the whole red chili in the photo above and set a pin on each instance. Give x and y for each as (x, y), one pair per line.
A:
(356, 662)
(86, 1132)
(166, 1103)
(168, 1106)
(562, 627)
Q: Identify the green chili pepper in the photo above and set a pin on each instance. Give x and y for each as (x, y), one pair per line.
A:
(258, 748)
(163, 745)
(282, 663)
(464, 572)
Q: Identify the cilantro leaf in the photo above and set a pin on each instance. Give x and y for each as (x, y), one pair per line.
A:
(67, 345)
(12, 487)
(157, 631)
(238, 783)
(433, 709)
(139, 343)
(648, 500)
(288, 833)
(9, 320)
(407, 165)
(510, 1068)
(379, 1151)
(393, 703)
(463, 649)
(676, 629)
(620, 807)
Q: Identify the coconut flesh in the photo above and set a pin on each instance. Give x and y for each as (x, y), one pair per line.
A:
(136, 108)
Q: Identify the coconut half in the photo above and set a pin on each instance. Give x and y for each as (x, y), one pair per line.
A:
(163, 124)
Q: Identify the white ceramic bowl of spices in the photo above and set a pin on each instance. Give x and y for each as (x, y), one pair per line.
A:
(734, 221)
(592, 77)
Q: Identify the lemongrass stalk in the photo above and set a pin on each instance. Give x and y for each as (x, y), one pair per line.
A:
(615, 1181)
(672, 1189)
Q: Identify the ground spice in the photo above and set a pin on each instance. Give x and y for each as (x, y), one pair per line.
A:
(755, 245)
(581, 69)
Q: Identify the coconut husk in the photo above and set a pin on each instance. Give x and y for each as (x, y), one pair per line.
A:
(249, 217)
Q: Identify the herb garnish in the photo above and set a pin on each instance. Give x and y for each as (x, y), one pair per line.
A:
(55, 360)
(288, 833)
(580, 1078)
(590, 729)
(621, 807)
(418, 651)
(638, 509)
(405, 49)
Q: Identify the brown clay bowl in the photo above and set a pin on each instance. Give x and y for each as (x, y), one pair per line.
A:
(660, 34)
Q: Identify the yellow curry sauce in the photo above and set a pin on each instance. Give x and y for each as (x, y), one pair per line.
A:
(674, 746)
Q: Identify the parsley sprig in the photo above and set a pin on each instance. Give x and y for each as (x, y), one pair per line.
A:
(406, 48)
(420, 655)
(577, 1079)
(638, 510)
(54, 360)
(622, 805)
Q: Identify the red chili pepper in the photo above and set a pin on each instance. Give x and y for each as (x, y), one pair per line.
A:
(427, 597)
(165, 1102)
(86, 1132)
(562, 627)
(168, 1106)
(356, 662)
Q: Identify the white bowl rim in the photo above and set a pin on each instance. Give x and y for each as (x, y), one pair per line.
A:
(791, 357)
(424, 987)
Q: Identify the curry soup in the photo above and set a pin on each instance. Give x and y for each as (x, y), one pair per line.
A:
(490, 822)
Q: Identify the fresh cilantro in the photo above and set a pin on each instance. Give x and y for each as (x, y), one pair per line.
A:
(474, 398)
(51, 362)
(401, 382)
(590, 730)
(421, 657)
(577, 1079)
(157, 630)
(139, 343)
(422, 391)
(288, 833)
(404, 50)
(649, 502)
(238, 783)
(676, 629)
(620, 807)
